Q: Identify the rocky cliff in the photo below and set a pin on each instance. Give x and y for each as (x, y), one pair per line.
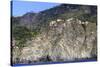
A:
(62, 33)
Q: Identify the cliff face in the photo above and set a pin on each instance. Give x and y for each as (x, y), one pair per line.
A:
(60, 39)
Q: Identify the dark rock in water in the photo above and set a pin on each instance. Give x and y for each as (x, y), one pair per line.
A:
(45, 59)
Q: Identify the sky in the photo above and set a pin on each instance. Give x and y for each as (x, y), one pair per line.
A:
(21, 7)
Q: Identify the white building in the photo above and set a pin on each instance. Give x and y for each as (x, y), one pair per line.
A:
(59, 20)
(52, 23)
(69, 19)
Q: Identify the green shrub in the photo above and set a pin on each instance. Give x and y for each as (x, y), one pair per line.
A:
(22, 34)
(87, 17)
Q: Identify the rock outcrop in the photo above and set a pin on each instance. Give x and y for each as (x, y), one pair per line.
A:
(60, 39)
(67, 41)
